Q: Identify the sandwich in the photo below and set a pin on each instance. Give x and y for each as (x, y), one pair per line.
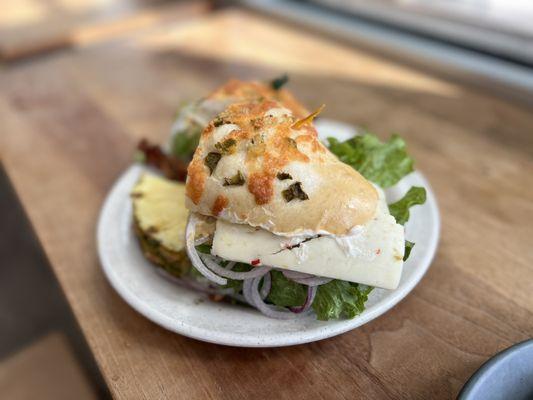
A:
(193, 117)
(279, 221)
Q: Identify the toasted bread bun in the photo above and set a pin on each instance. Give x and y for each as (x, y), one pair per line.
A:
(235, 91)
(194, 116)
(259, 164)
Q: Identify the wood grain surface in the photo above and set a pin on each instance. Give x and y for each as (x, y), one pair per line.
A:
(68, 127)
(35, 27)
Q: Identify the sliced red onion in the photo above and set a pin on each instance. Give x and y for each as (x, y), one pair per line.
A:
(296, 275)
(216, 268)
(230, 265)
(252, 295)
(194, 285)
(311, 293)
(246, 292)
(316, 281)
(305, 279)
(193, 254)
(267, 284)
(202, 240)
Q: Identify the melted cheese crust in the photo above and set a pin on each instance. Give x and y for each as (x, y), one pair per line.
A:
(260, 140)
(235, 90)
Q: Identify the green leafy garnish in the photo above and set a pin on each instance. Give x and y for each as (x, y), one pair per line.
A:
(278, 83)
(286, 293)
(236, 284)
(382, 163)
(283, 175)
(400, 209)
(185, 142)
(340, 299)
(235, 180)
(204, 248)
(139, 157)
(294, 191)
(408, 247)
(218, 121)
(211, 160)
(227, 146)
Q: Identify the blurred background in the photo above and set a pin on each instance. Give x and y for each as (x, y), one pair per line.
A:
(488, 43)
(488, 37)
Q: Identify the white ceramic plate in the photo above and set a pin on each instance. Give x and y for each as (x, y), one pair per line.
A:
(178, 309)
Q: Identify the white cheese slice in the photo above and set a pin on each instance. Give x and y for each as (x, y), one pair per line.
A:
(372, 255)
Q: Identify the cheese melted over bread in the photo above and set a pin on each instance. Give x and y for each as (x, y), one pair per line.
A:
(256, 165)
(239, 91)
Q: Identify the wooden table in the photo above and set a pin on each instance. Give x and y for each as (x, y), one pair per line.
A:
(68, 126)
(36, 27)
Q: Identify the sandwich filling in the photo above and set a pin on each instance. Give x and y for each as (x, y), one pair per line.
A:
(371, 253)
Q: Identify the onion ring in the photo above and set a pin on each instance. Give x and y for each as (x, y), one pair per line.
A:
(252, 295)
(193, 254)
(296, 275)
(217, 269)
(311, 293)
(316, 281)
(202, 240)
(267, 285)
(305, 279)
(230, 265)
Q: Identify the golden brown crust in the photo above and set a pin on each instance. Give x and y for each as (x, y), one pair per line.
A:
(196, 176)
(265, 155)
(322, 194)
(220, 203)
(261, 185)
(252, 91)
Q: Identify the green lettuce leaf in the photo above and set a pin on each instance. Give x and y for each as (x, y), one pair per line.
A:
(382, 163)
(286, 293)
(400, 209)
(234, 283)
(340, 299)
(185, 142)
(408, 247)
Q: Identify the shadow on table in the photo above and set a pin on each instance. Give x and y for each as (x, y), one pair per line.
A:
(42, 352)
